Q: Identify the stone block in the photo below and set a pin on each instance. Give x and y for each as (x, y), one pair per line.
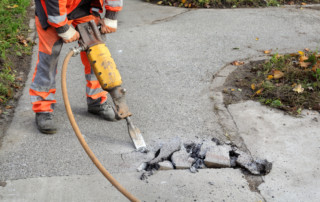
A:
(166, 150)
(182, 159)
(218, 157)
(165, 165)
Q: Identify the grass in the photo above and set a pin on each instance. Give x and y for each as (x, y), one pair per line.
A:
(229, 3)
(13, 32)
(289, 82)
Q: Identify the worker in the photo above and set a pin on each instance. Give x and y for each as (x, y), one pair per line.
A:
(55, 22)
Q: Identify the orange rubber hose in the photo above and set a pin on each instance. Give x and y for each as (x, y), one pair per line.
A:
(84, 144)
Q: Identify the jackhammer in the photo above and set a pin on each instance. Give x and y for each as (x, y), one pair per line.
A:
(109, 78)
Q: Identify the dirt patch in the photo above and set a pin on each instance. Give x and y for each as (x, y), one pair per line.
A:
(230, 3)
(288, 82)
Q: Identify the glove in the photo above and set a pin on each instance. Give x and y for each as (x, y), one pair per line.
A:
(70, 35)
(108, 25)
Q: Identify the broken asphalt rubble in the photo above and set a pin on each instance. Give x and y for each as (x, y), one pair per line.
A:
(206, 154)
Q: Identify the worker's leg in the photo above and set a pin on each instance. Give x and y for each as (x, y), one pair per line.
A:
(43, 88)
(96, 96)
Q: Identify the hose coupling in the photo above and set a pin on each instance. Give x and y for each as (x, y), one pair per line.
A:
(76, 50)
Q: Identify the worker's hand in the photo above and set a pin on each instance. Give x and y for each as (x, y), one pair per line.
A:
(70, 35)
(108, 25)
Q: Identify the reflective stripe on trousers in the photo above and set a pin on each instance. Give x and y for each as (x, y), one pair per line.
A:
(114, 5)
(43, 86)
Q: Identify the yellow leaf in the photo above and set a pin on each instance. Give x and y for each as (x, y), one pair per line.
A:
(232, 89)
(267, 51)
(257, 39)
(270, 77)
(278, 74)
(253, 87)
(159, 2)
(183, 1)
(298, 89)
(301, 53)
(259, 91)
(14, 6)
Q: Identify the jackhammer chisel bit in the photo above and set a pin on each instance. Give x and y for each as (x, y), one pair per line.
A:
(136, 136)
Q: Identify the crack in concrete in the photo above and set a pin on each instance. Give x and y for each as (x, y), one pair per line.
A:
(168, 18)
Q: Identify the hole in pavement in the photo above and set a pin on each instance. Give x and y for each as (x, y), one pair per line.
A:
(206, 154)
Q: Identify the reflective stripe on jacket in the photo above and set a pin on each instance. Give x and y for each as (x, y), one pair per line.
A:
(56, 12)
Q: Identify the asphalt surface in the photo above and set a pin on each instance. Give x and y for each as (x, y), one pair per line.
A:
(167, 58)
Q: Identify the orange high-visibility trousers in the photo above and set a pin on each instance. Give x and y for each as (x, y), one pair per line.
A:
(43, 84)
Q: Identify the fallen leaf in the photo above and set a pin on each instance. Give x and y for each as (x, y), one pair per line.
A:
(22, 40)
(237, 63)
(307, 49)
(232, 89)
(293, 85)
(10, 93)
(303, 4)
(304, 64)
(17, 86)
(258, 92)
(301, 53)
(9, 107)
(159, 2)
(253, 87)
(303, 58)
(278, 74)
(183, 1)
(315, 67)
(269, 77)
(298, 89)
(14, 6)
(239, 89)
(291, 2)
(257, 39)
(267, 51)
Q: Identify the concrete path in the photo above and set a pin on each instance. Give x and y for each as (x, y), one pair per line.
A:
(167, 58)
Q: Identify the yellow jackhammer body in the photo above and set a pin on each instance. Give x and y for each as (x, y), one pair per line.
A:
(108, 75)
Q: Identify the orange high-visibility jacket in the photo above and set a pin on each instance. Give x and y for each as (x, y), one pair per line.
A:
(57, 12)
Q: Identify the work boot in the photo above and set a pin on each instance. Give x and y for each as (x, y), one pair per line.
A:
(45, 123)
(103, 110)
